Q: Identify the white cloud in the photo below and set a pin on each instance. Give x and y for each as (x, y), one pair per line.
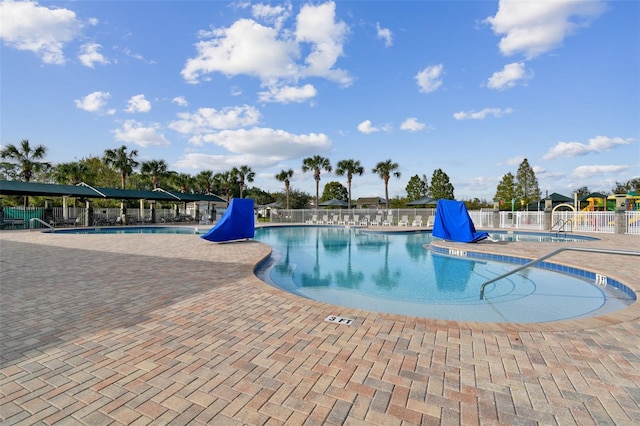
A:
(366, 127)
(510, 75)
(138, 103)
(430, 78)
(260, 147)
(209, 120)
(317, 26)
(271, 53)
(384, 34)
(38, 29)
(513, 161)
(412, 124)
(246, 47)
(275, 15)
(288, 94)
(93, 102)
(136, 133)
(584, 172)
(180, 100)
(89, 55)
(576, 149)
(536, 27)
(481, 115)
(265, 142)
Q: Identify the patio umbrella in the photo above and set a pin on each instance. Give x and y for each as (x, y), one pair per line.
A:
(424, 201)
(334, 202)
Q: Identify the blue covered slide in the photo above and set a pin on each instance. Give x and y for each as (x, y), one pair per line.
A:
(237, 223)
(453, 223)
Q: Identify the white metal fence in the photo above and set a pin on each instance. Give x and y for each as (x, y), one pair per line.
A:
(569, 221)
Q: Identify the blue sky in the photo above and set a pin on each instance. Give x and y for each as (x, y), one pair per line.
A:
(469, 87)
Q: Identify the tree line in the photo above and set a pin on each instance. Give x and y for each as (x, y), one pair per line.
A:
(120, 167)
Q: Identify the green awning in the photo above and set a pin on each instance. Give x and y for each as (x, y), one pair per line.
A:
(14, 187)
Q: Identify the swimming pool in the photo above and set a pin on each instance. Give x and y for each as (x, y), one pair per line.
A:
(394, 273)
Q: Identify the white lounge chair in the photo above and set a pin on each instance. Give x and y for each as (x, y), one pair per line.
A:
(365, 220)
(344, 220)
(388, 221)
(325, 219)
(404, 221)
(314, 219)
(334, 219)
(376, 221)
(430, 221)
(417, 221)
(354, 221)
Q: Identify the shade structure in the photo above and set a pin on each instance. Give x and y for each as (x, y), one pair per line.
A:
(424, 201)
(334, 202)
(83, 190)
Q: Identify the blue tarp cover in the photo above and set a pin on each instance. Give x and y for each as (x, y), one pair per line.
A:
(453, 223)
(237, 223)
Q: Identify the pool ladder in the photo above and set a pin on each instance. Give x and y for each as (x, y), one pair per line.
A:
(560, 225)
(553, 253)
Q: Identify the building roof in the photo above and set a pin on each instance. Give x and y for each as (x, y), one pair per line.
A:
(371, 200)
(14, 187)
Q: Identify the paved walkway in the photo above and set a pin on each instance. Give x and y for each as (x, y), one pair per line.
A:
(172, 329)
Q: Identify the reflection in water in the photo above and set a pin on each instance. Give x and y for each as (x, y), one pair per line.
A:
(316, 279)
(385, 278)
(371, 242)
(414, 247)
(452, 275)
(349, 278)
(335, 240)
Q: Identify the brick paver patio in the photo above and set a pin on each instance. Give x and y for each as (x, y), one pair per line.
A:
(172, 329)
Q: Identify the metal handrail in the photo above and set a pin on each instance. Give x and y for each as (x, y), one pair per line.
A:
(37, 219)
(553, 253)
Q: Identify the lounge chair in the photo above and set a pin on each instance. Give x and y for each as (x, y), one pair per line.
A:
(376, 221)
(354, 221)
(325, 219)
(404, 221)
(388, 221)
(430, 221)
(344, 220)
(417, 221)
(334, 219)
(365, 220)
(314, 219)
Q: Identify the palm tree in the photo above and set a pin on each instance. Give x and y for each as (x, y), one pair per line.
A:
(241, 174)
(225, 180)
(71, 173)
(26, 159)
(122, 161)
(385, 169)
(205, 181)
(285, 176)
(155, 170)
(350, 167)
(316, 163)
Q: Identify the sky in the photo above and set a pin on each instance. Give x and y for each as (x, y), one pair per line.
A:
(468, 87)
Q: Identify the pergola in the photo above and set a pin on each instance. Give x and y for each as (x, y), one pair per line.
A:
(85, 192)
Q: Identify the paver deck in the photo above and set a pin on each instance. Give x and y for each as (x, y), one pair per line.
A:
(172, 329)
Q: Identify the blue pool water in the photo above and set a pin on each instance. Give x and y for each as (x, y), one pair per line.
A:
(394, 273)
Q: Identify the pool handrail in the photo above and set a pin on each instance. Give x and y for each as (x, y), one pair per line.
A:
(37, 219)
(553, 253)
